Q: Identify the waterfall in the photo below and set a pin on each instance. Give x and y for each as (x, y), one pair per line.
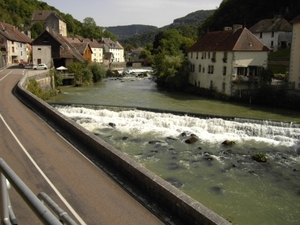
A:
(140, 122)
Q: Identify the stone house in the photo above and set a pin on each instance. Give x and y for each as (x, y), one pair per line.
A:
(51, 19)
(14, 45)
(275, 33)
(227, 61)
(294, 73)
(52, 49)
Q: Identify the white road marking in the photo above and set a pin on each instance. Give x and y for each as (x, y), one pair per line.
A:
(5, 75)
(44, 175)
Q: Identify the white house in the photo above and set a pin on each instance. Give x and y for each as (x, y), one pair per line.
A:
(228, 60)
(14, 45)
(294, 74)
(275, 33)
(113, 47)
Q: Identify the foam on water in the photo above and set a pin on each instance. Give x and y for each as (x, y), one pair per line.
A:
(164, 124)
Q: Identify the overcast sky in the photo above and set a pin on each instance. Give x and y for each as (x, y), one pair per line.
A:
(127, 12)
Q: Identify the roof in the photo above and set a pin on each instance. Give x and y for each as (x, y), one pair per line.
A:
(93, 43)
(11, 33)
(41, 15)
(72, 40)
(272, 25)
(81, 47)
(111, 44)
(229, 40)
(295, 20)
(67, 50)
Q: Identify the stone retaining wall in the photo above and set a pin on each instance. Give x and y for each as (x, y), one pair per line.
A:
(169, 197)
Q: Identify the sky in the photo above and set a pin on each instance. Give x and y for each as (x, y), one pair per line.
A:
(108, 13)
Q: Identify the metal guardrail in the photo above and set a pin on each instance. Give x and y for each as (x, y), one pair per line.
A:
(41, 211)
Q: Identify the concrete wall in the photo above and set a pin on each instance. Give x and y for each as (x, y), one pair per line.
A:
(169, 197)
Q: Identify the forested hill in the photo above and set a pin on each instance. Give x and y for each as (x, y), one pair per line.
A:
(250, 12)
(123, 32)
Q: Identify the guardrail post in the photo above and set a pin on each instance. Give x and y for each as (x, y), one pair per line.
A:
(4, 201)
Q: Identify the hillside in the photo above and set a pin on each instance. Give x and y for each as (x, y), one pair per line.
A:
(187, 25)
(123, 32)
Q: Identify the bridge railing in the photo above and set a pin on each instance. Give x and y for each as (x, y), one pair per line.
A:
(9, 177)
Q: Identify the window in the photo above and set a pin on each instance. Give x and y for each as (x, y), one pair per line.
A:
(191, 55)
(210, 69)
(199, 68)
(260, 35)
(13, 49)
(213, 59)
(197, 56)
(192, 68)
(224, 70)
(208, 55)
(272, 35)
(223, 87)
(225, 57)
(272, 43)
(39, 49)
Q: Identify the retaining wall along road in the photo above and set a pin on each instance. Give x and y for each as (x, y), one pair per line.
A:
(169, 197)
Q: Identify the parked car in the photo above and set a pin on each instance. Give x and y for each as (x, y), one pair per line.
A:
(29, 66)
(41, 66)
(23, 64)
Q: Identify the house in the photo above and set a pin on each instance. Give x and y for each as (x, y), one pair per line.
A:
(51, 19)
(275, 33)
(294, 73)
(113, 47)
(227, 61)
(85, 50)
(15, 45)
(52, 49)
(97, 50)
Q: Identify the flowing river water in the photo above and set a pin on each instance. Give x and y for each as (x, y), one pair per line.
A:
(224, 178)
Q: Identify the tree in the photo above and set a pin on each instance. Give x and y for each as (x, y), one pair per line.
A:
(98, 71)
(90, 29)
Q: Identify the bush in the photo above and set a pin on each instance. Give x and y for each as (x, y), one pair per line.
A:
(34, 88)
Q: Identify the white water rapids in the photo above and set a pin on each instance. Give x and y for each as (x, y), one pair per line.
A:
(214, 130)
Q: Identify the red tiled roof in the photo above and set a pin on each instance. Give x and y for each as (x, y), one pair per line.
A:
(228, 40)
(11, 33)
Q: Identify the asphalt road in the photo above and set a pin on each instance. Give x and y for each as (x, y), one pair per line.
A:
(47, 163)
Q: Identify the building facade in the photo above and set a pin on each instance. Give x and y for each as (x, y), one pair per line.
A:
(275, 33)
(227, 61)
(14, 45)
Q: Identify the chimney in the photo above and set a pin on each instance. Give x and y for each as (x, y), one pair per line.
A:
(237, 27)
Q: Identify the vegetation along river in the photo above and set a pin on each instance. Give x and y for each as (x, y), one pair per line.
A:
(224, 178)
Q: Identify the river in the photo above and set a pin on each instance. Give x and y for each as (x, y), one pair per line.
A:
(224, 178)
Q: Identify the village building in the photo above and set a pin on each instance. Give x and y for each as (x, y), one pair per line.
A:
(97, 50)
(113, 47)
(51, 19)
(54, 50)
(275, 33)
(227, 61)
(14, 45)
(294, 72)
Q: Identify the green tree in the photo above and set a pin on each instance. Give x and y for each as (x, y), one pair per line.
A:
(90, 29)
(98, 71)
(36, 29)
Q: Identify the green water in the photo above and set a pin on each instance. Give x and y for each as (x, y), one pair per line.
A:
(231, 184)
